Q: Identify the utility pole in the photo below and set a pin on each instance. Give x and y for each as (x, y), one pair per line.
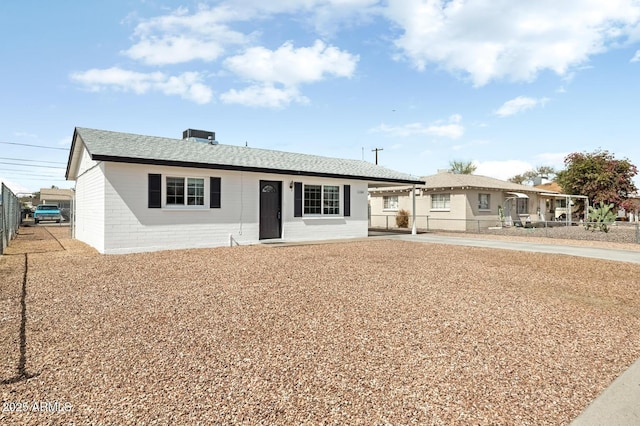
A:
(376, 151)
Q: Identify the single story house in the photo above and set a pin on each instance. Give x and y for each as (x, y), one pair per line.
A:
(138, 193)
(460, 202)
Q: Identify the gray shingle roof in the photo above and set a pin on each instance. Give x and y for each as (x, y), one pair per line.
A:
(452, 180)
(444, 181)
(104, 145)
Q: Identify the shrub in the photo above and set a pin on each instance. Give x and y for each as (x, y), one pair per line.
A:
(402, 219)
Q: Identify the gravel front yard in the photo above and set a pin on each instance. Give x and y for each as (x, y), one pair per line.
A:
(366, 332)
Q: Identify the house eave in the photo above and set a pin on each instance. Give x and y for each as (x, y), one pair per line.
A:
(213, 166)
(71, 155)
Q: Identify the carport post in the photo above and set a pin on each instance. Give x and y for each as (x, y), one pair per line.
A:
(586, 210)
(413, 227)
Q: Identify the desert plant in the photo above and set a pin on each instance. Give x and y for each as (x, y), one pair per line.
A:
(601, 217)
(402, 219)
(501, 215)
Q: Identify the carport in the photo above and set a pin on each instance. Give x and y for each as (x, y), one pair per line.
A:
(568, 202)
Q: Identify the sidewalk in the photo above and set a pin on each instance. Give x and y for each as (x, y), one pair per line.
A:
(619, 404)
(592, 252)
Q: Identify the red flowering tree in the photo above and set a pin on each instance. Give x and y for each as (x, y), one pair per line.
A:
(599, 176)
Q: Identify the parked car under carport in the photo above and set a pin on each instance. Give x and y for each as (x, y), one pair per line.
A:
(47, 212)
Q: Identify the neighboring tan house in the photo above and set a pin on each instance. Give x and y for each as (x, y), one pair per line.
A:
(458, 202)
(138, 193)
(631, 214)
(62, 197)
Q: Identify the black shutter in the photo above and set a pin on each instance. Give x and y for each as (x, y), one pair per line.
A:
(155, 191)
(347, 200)
(297, 199)
(214, 192)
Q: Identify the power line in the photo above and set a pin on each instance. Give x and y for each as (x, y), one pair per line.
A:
(13, 172)
(34, 146)
(32, 165)
(40, 179)
(4, 168)
(37, 161)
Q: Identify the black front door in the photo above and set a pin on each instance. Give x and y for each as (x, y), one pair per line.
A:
(270, 205)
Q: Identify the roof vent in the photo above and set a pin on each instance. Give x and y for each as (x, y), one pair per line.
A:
(200, 136)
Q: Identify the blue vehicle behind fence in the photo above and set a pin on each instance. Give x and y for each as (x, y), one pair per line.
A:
(47, 212)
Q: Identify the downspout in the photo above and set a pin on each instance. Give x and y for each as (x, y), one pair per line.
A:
(413, 227)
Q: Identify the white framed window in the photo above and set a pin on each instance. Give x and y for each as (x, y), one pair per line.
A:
(321, 200)
(390, 202)
(484, 201)
(184, 191)
(440, 201)
(331, 199)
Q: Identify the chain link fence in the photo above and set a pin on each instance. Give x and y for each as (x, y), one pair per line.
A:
(618, 232)
(9, 217)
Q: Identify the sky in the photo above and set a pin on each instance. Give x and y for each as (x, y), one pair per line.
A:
(504, 84)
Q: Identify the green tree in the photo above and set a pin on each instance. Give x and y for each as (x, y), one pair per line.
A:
(599, 176)
(531, 175)
(519, 179)
(462, 167)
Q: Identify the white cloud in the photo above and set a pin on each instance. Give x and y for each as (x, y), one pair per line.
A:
(519, 104)
(287, 66)
(16, 188)
(205, 34)
(636, 57)
(182, 37)
(187, 85)
(328, 16)
(501, 39)
(451, 129)
(502, 169)
(553, 159)
(292, 66)
(263, 96)
(483, 40)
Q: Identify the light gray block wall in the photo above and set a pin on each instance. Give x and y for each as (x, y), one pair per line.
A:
(89, 220)
(130, 226)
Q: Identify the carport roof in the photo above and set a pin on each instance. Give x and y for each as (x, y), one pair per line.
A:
(104, 145)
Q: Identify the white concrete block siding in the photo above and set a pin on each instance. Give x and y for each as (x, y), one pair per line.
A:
(123, 223)
(90, 225)
(112, 172)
